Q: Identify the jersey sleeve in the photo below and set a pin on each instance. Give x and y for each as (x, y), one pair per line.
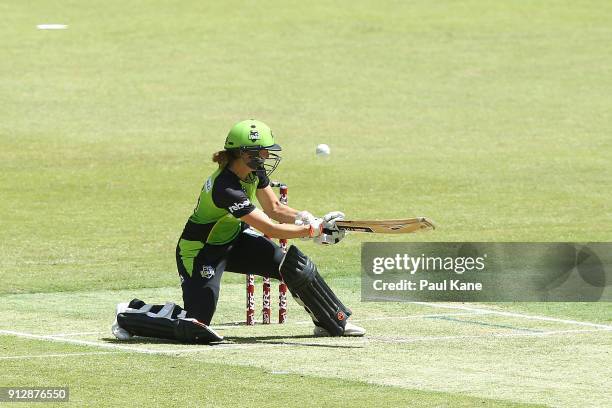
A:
(233, 199)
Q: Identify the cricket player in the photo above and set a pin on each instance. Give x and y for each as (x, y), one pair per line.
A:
(226, 233)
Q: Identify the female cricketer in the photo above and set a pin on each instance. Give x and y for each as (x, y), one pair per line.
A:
(226, 233)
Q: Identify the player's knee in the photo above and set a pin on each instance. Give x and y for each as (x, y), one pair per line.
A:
(200, 302)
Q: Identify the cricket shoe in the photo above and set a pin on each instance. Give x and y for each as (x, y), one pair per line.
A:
(119, 332)
(350, 330)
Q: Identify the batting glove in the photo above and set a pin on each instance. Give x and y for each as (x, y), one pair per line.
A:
(329, 220)
(304, 218)
(330, 234)
(316, 227)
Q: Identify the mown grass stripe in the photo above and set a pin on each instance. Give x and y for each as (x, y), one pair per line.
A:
(503, 326)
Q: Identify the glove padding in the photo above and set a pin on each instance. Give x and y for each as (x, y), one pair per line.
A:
(330, 234)
(304, 218)
(330, 220)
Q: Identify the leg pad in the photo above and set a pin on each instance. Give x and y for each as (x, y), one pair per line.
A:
(166, 322)
(310, 290)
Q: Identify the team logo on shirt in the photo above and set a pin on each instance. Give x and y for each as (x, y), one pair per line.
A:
(208, 184)
(207, 272)
(239, 206)
(254, 135)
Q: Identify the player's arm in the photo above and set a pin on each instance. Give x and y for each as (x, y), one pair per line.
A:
(325, 230)
(261, 222)
(235, 201)
(273, 208)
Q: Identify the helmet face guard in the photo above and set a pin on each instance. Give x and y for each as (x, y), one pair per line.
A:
(261, 162)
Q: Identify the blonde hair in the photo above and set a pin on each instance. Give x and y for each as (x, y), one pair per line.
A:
(224, 157)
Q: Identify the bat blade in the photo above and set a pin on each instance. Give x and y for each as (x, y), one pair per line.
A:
(403, 226)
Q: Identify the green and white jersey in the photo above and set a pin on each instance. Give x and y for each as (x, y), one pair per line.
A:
(223, 200)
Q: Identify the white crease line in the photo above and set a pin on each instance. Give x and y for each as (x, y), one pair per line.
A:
(75, 334)
(227, 346)
(77, 342)
(91, 353)
(204, 348)
(112, 346)
(519, 315)
(459, 337)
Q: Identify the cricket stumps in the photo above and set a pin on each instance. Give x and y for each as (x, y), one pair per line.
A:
(282, 287)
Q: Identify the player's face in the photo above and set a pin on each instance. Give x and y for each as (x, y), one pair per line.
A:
(262, 159)
(255, 158)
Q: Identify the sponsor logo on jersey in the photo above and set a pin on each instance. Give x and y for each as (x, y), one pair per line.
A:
(207, 272)
(208, 184)
(254, 135)
(239, 206)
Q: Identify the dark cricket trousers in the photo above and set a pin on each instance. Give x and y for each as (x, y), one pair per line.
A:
(247, 254)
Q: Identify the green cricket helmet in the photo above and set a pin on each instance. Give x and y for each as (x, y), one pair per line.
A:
(255, 139)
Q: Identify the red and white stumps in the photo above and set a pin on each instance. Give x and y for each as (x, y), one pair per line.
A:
(266, 309)
(282, 287)
(250, 300)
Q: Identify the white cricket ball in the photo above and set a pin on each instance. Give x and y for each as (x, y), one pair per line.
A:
(323, 150)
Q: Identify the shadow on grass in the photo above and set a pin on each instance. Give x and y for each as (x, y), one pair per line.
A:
(228, 340)
(279, 340)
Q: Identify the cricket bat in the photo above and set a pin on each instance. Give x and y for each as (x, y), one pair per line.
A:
(405, 226)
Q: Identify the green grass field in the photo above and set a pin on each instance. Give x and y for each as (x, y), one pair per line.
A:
(492, 118)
